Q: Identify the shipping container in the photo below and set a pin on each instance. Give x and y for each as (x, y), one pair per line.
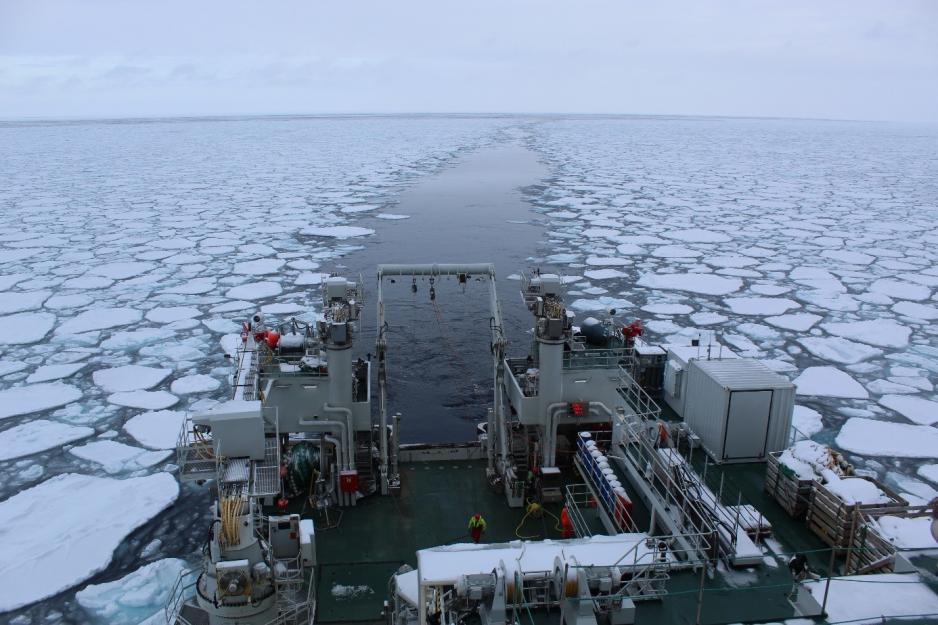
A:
(740, 409)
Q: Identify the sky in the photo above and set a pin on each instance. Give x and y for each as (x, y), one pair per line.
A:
(856, 59)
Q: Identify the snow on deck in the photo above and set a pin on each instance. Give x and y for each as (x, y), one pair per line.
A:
(443, 565)
(868, 598)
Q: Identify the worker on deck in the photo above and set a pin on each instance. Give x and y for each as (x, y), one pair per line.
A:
(476, 527)
(798, 566)
(566, 526)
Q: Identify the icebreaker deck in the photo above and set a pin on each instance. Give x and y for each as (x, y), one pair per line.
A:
(620, 481)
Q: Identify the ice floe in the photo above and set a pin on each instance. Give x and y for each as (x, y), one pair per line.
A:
(255, 290)
(706, 284)
(148, 400)
(170, 314)
(26, 328)
(915, 409)
(45, 554)
(18, 301)
(134, 598)
(129, 377)
(879, 332)
(872, 437)
(156, 429)
(115, 457)
(807, 421)
(36, 436)
(99, 319)
(760, 305)
(337, 232)
(197, 383)
(840, 350)
(829, 382)
(800, 322)
(36, 398)
(46, 373)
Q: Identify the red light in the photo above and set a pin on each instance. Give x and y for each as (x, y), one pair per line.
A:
(577, 409)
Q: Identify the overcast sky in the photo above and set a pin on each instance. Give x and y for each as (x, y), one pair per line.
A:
(853, 59)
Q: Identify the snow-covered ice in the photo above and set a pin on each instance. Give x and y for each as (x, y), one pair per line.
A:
(26, 328)
(706, 284)
(134, 598)
(156, 429)
(45, 373)
(255, 290)
(115, 457)
(880, 332)
(917, 409)
(129, 377)
(807, 421)
(337, 232)
(760, 305)
(169, 314)
(869, 437)
(829, 382)
(198, 383)
(36, 436)
(36, 398)
(45, 554)
(840, 350)
(149, 400)
(99, 319)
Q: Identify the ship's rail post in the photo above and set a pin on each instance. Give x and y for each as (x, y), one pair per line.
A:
(185, 581)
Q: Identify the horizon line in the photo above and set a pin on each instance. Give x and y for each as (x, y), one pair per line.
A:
(235, 116)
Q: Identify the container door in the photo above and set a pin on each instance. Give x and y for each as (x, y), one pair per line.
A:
(747, 425)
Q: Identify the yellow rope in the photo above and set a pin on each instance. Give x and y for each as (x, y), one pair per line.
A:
(536, 509)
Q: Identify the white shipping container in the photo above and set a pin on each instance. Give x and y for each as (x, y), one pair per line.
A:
(740, 409)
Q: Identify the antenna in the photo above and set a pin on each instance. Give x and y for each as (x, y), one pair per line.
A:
(709, 344)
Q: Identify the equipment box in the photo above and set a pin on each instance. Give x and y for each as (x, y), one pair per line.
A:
(348, 481)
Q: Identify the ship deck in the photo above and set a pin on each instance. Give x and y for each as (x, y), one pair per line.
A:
(380, 534)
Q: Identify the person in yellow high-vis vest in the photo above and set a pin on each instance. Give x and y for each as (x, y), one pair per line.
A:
(476, 527)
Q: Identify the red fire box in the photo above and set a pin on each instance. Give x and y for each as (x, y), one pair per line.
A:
(348, 481)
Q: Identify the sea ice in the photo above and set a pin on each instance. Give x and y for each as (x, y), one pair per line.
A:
(198, 383)
(839, 350)
(99, 319)
(116, 457)
(760, 305)
(915, 409)
(11, 366)
(171, 314)
(916, 311)
(829, 382)
(871, 437)
(121, 270)
(25, 328)
(129, 377)
(800, 322)
(254, 290)
(900, 290)
(929, 472)
(45, 554)
(18, 301)
(603, 274)
(148, 400)
(156, 430)
(35, 398)
(391, 216)
(46, 373)
(260, 267)
(704, 283)
(35, 436)
(134, 598)
(846, 256)
(807, 421)
(880, 332)
(668, 309)
(337, 232)
(696, 235)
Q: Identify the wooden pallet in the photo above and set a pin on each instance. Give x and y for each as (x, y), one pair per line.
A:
(791, 493)
(871, 553)
(836, 522)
